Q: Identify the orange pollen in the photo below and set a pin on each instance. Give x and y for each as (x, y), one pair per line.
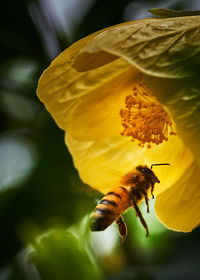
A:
(144, 118)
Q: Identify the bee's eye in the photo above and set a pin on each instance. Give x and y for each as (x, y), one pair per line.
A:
(143, 170)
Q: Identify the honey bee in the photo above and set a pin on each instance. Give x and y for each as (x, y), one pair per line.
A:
(135, 186)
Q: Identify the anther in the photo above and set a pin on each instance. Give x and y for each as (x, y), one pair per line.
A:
(144, 118)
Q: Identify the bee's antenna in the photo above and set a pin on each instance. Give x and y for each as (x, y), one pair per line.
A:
(154, 164)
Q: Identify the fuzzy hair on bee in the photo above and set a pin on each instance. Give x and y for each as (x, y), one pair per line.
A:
(134, 187)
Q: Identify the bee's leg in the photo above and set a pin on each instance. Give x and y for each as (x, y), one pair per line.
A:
(152, 187)
(122, 228)
(139, 214)
(146, 200)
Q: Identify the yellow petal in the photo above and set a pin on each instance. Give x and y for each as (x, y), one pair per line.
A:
(182, 99)
(62, 89)
(60, 85)
(166, 47)
(96, 115)
(102, 163)
(178, 207)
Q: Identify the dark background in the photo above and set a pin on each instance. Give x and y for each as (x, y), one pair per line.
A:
(40, 190)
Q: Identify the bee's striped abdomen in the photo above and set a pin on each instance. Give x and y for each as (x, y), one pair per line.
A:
(112, 205)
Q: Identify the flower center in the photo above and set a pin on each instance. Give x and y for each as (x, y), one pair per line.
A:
(144, 119)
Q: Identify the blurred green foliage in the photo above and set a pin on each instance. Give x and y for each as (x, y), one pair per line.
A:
(42, 198)
(60, 255)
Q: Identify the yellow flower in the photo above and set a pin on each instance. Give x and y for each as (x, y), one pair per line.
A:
(133, 84)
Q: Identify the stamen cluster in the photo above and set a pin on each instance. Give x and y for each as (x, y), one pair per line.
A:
(144, 118)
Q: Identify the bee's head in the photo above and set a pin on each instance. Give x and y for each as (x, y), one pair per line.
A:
(148, 174)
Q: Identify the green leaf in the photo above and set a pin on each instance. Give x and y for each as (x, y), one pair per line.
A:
(60, 255)
(170, 13)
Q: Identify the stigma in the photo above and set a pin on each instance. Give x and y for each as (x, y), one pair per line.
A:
(144, 119)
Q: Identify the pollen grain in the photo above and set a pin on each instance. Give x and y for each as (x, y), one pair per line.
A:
(144, 118)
